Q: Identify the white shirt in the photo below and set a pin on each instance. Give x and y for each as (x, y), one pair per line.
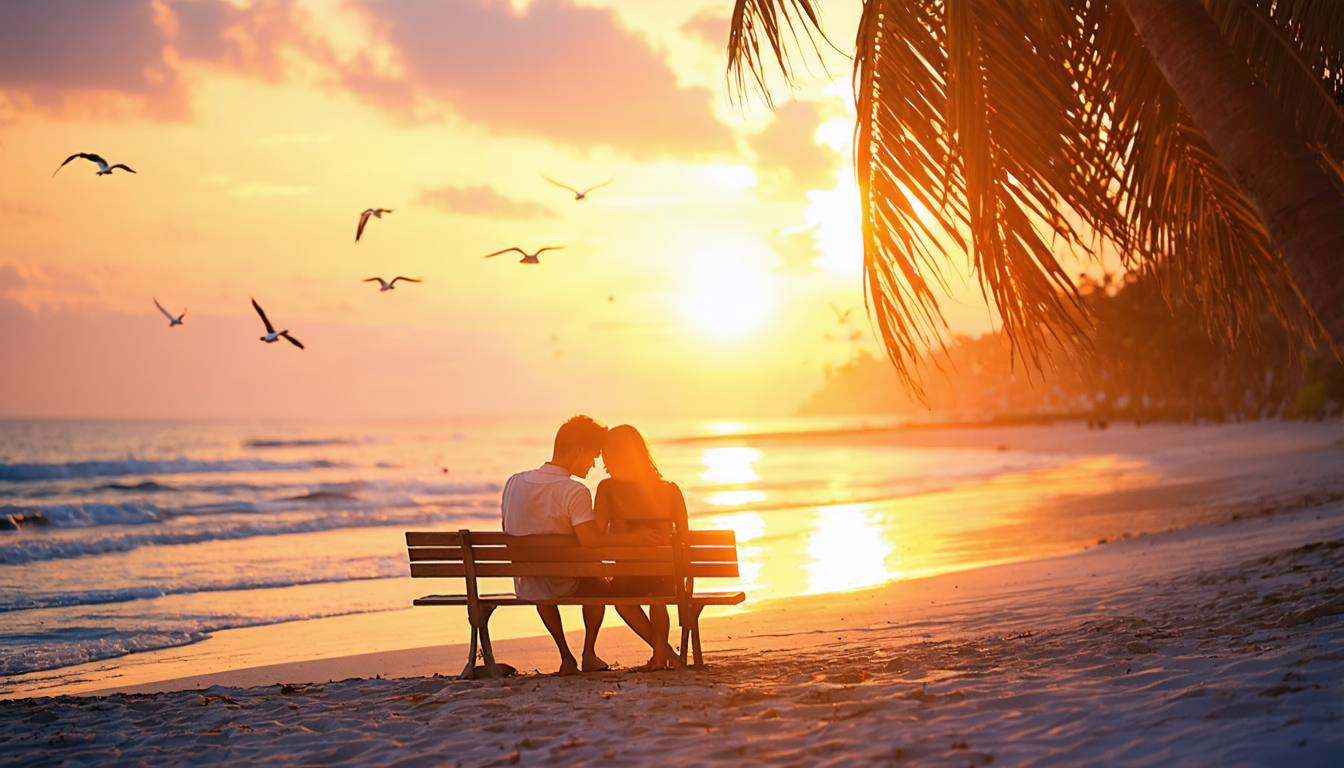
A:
(544, 500)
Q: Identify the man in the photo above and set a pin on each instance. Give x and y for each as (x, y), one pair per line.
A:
(549, 500)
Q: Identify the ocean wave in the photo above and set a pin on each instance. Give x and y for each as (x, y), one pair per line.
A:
(37, 549)
(379, 568)
(295, 443)
(53, 653)
(84, 515)
(180, 466)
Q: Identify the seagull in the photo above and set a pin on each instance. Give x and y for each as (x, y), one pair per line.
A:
(389, 285)
(842, 317)
(528, 258)
(577, 194)
(377, 213)
(103, 167)
(171, 320)
(272, 334)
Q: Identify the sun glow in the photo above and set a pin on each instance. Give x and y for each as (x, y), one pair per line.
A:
(848, 549)
(729, 466)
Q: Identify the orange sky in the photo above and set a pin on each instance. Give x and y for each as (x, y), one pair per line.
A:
(697, 283)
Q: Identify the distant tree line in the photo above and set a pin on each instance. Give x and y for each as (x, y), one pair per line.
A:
(1153, 360)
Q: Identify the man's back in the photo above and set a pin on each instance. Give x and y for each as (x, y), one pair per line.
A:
(544, 500)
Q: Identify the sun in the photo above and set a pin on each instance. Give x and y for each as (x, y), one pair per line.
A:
(726, 300)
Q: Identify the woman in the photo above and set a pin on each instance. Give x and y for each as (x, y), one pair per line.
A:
(636, 497)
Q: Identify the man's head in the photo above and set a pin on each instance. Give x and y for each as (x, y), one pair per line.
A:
(578, 443)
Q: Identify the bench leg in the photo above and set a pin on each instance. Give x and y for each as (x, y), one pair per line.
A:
(488, 652)
(467, 671)
(481, 630)
(695, 634)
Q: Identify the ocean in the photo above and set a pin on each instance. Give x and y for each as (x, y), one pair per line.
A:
(126, 537)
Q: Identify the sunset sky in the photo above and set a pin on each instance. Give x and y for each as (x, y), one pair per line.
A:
(698, 283)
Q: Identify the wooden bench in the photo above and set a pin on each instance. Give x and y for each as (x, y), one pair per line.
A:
(472, 555)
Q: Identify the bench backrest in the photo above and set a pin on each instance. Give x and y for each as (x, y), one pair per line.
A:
(704, 554)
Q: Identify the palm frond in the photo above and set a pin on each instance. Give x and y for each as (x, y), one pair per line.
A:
(764, 23)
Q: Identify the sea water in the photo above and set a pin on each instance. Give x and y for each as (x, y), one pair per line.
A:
(130, 537)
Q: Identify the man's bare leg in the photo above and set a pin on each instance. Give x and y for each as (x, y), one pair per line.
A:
(550, 616)
(592, 622)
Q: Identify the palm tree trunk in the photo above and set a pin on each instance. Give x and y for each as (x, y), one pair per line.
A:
(1299, 205)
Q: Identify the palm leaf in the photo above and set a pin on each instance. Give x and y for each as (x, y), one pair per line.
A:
(1007, 131)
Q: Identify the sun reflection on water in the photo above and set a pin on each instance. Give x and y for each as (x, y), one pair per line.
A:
(848, 549)
(745, 526)
(734, 498)
(729, 466)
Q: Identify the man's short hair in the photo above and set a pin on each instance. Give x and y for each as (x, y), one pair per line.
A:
(580, 433)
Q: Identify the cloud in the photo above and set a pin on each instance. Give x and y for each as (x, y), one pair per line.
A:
(483, 201)
(797, 248)
(709, 27)
(21, 212)
(71, 56)
(789, 160)
(36, 286)
(555, 70)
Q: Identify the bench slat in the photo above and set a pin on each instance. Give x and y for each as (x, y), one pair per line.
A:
(701, 598)
(522, 554)
(505, 570)
(499, 538)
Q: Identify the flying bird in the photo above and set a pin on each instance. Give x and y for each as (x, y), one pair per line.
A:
(171, 320)
(103, 167)
(842, 317)
(272, 334)
(528, 258)
(387, 285)
(577, 194)
(377, 213)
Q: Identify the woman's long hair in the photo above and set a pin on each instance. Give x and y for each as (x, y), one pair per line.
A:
(631, 449)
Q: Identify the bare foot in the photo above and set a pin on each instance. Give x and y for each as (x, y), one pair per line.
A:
(591, 663)
(568, 667)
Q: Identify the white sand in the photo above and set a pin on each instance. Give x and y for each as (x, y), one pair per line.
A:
(1220, 645)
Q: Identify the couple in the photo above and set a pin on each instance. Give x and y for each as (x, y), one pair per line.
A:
(635, 506)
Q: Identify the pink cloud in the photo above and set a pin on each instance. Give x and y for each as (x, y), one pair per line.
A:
(709, 26)
(556, 70)
(789, 160)
(484, 201)
(69, 56)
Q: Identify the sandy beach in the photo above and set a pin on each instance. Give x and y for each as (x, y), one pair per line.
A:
(1216, 645)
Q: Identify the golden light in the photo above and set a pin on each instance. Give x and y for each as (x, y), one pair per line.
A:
(729, 466)
(744, 525)
(725, 299)
(848, 549)
(734, 498)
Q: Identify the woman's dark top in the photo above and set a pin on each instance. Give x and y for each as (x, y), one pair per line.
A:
(629, 506)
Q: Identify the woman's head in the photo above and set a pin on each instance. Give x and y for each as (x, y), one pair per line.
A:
(627, 456)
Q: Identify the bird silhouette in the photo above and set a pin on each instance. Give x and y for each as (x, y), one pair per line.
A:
(103, 167)
(387, 285)
(273, 335)
(577, 194)
(377, 213)
(171, 320)
(528, 258)
(842, 317)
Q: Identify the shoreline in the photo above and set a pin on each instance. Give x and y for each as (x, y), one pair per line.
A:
(536, 653)
(1218, 644)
